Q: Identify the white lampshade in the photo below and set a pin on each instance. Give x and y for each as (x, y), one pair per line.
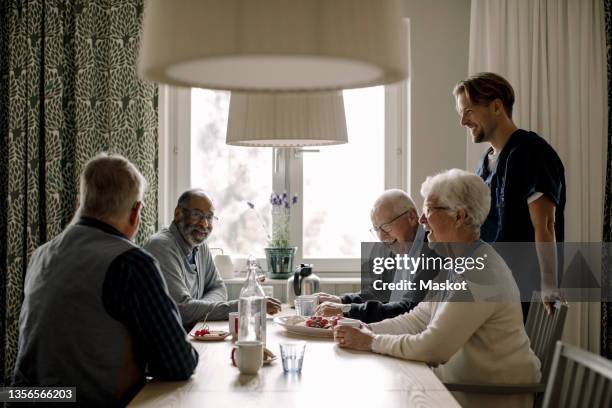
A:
(286, 119)
(274, 45)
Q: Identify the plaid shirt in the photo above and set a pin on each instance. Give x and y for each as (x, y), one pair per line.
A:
(134, 293)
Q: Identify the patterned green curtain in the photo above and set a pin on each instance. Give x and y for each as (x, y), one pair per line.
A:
(68, 90)
(606, 307)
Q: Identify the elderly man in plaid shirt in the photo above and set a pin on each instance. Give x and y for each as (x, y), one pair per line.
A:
(96, 313)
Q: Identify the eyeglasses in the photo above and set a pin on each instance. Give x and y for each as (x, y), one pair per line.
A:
(199, 216)
(386, 227)
(428, 210)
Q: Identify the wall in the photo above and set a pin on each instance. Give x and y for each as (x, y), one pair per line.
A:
(439, 46)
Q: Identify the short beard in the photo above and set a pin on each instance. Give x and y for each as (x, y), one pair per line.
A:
(187, 230)
(480, 137)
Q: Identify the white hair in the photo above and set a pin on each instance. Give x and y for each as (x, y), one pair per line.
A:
(397, 199)
(110, 185)
(460, 189)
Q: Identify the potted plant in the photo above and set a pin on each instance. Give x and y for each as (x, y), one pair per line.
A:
(280, 254)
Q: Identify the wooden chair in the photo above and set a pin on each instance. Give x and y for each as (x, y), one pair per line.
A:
(578, 379)
(543, 332)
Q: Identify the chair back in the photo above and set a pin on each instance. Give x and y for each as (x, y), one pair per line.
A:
(578, 378)
(544, 331)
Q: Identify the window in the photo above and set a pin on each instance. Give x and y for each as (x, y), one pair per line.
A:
(230, 175)
(341, 182)
(336, 184)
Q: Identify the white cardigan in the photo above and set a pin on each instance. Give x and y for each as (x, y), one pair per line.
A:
(483, 341)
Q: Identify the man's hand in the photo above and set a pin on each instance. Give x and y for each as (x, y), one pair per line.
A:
(326, 297)
(328, 309)
(273, 306)
(267, 354)
(353, 338)
(549, 297)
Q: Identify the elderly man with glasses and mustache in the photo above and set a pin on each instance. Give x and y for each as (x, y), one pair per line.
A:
(187, 264)
(395, 223)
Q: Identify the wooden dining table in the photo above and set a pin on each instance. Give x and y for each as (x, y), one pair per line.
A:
(330, 376)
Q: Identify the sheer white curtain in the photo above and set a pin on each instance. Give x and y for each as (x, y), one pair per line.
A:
(553, 52)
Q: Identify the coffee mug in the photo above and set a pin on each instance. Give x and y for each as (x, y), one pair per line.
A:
(349, 322)
(225, 266)
(233, 325)
(248, 356)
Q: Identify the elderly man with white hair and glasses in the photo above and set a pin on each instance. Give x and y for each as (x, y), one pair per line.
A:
(395, 224)
(96, 313)
(187, 264)
(473, 335)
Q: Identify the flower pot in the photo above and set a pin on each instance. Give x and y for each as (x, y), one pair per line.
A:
(280, 262)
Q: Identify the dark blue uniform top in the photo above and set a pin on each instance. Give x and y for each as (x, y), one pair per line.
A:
(527, 164)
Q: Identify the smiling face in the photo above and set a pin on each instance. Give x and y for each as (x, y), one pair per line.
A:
(196, 221)
(479, 119)
(398, 231)
(438, 221)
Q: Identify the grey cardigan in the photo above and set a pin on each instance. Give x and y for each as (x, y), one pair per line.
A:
(196, 293)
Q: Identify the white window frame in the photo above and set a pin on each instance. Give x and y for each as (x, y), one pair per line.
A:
(174, 150)
(175, 163)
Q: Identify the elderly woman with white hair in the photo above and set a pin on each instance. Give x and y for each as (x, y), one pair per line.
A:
(477, 341)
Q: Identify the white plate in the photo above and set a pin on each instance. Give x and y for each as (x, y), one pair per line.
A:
(290, 324)
(214, 335)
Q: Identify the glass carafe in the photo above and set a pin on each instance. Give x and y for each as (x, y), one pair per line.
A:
(252, 308)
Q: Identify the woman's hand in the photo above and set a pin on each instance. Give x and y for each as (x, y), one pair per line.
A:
(353, 338)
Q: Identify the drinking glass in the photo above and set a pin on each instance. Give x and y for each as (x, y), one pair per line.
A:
(305, 305)
(292, 355)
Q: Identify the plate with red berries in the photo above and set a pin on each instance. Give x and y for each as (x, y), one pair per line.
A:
(316, 326)
(204, 334)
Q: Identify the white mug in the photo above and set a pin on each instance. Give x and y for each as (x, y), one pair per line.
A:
(349, 322)
(248, 356)
(233, 325)
(225, 266)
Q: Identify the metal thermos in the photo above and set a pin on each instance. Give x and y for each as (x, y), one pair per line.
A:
(303, 282)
